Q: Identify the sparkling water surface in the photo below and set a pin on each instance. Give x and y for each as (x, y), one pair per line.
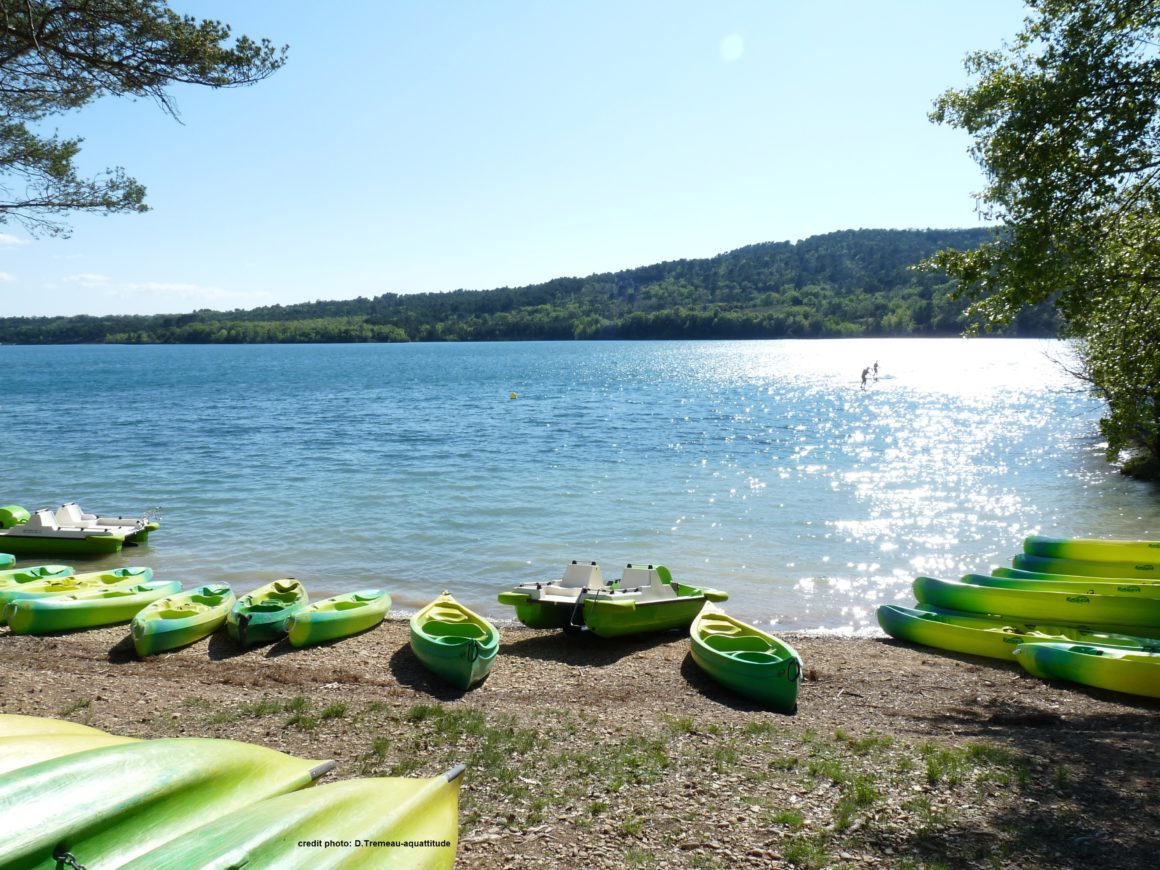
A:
(761, 468)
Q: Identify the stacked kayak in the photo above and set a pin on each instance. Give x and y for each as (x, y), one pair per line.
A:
(98, 800)
(745, 659)
(84, 608)
(181, 619)
(1091, 549)
(453, 642)
(1136, 672)
(992, 636)
(264, 615)
(1125, 570)
(74, 583)
(338, 617)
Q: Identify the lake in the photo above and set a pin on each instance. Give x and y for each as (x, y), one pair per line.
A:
(762, 468)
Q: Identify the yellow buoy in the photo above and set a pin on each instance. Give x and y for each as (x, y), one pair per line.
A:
(513, 396)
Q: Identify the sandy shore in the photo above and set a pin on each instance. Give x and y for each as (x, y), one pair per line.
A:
(587, 752)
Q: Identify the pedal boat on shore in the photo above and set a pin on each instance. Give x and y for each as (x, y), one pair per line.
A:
(644, 599)
(68, 532)
(746, 659)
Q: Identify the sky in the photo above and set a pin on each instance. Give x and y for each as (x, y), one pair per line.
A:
(414, 145)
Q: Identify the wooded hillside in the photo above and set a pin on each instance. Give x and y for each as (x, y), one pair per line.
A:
(850, 283)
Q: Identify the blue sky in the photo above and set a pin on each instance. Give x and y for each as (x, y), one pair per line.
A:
(428, 146)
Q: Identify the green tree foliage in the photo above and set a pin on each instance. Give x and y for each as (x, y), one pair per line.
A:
(855, 283)
(1066, 124)
(58, 55)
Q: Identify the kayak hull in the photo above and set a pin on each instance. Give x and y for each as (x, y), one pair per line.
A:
(86, 609)
(456, 644)
(179, 620)
(338, 617)
(263, 616)
(745, 659)
(1135, 673)
(388, 822)
(1092, 549)
(991, 636)
(1134, 570)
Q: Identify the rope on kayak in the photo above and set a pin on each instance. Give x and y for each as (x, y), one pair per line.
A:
(63, 856)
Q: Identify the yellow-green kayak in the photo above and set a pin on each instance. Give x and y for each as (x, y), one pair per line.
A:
(746, 659)
(1136, 570)
(75, 583)
(404, 823)
(84, 609)
(15, 577)
(992, 636)
(453, 642)
(1136, 673)
(16, 725)
(1088, 585)
(104, 807)
(339, 616)
(264, 615)
(181, 619)
(28, 749)
(1092, 549)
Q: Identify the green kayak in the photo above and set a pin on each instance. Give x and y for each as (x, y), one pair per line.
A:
(339, 616)
(1135, 570)
(453, 642)
(992, 636)
(106, 806)
(1023, 574)
(85, 609)
(745, 659)
(7, 560)
(28, 749)
(1092, 549)
(16, 725)
(75, 583)
(1142, 615)
(1136, 673)
(16, 577)
(391, 822)
(181, 619)
(1088, 586)
(264, 615)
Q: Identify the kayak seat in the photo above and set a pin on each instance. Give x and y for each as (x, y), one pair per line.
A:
(286, 587)
(730, 644)
(268, 607)
(348, 605)
(454, 632)
(757, 658)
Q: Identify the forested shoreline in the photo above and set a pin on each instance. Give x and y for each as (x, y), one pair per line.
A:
(843, 284)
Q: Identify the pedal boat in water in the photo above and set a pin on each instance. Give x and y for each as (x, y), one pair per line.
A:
(181, 619)
(453, 642)
(1119, 670)
(992, 636)
(338, 617)
(644, 599)
(84, 609)
(74, 583)
(68, 531)
(264, 615)
(746, 659)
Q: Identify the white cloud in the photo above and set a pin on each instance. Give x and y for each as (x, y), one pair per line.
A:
(7, 277)
(9, 239)
(89, 280)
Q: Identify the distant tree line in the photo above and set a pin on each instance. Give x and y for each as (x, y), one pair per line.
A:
(843, 284)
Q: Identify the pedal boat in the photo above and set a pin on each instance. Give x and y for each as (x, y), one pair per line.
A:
(68, 532)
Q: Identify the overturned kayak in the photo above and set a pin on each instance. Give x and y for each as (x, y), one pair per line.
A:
(1030, 605)
(28, 749)
(1136, 673)
(264, 615)
(1135, 570)
(7, 560)
(75, 583)
(338, 617)
(1022, 574)
(745, 659)
(992, 636)
(181, 619)
(106, 806)
(388, 822)
(1092, 549)
(84, 609)
(16, 725)
(456, 644)
(1071, 585)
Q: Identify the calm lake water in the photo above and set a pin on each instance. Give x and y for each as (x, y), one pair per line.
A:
(761, 468)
